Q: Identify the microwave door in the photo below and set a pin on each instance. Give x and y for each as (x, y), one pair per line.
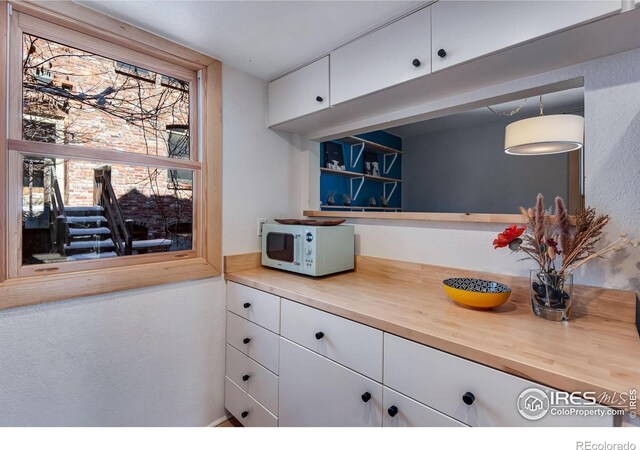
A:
(283, 250)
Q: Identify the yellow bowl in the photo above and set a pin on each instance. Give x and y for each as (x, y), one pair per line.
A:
(477, 293)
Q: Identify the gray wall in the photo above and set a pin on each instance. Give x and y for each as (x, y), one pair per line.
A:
(465, 169)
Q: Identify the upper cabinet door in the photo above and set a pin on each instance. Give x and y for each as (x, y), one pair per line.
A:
(464, 30)
(396, 53)
(300, 93)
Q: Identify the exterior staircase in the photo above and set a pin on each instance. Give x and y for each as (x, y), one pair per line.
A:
(86, 237)
(96, 232)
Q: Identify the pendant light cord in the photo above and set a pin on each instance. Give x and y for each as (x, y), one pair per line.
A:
(541, 107)
(513, 111)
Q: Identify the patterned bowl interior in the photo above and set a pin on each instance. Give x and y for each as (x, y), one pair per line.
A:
(477, 285)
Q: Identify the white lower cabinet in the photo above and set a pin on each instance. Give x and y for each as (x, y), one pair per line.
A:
(469, 392)
(401, 411)
(256, 306)
(325, 370)
(346, 342)
(317, 392)
(254, 341)
(245, 408)
(254, 379)
(251, 382)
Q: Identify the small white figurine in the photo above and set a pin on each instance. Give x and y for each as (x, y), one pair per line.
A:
(375, 169)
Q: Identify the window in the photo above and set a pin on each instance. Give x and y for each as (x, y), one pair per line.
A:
(104, 168)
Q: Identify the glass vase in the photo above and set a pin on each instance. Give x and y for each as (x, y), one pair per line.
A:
(551, 295)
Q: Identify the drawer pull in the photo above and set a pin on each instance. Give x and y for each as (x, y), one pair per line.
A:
(246, 305)
(319, 99)
(393, 410)
(246, 377)
(416, 62)
(442, 53)
(366, 397)
(468, 398)
(246, 340)
(244, 414)
(319, 335)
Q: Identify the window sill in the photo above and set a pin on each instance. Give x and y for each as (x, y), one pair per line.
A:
(48, 288)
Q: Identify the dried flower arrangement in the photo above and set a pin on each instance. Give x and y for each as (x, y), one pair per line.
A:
(558, 250)
(544, 239)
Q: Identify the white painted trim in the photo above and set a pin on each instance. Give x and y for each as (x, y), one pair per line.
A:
(217, 422)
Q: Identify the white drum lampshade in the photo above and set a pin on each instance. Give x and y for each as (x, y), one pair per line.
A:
(544, 135)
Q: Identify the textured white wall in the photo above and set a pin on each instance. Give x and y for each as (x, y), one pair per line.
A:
(152, 356)
(612, 159)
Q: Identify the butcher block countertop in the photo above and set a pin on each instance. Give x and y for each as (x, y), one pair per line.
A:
(598, 350)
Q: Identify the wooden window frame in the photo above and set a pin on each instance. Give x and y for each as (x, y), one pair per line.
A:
(70, 23)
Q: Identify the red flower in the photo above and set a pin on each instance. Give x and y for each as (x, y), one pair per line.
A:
(509, 235)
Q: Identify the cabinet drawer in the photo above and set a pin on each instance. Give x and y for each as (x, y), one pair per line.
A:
(240, 403)
(257, 306)
(261, 344)
(317, 392)
(383, 58)
(300, 93)
(466, 30)
(409, 413)
(440, 380)
(254, 379)
(354, 345)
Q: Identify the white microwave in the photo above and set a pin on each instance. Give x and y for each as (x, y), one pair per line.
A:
(309, 250)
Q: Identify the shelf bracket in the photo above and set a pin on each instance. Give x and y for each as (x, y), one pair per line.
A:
(353, 147)
(351, 180)
(387, 166)
(393, 189)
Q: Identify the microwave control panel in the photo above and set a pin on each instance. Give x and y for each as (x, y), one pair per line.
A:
(308, 249)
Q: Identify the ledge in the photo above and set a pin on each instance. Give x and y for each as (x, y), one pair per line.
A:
(48, 288)
(430, 217)
(425, 216)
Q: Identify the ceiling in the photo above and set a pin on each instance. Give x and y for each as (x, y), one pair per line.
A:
(263, 38)
(567, 101)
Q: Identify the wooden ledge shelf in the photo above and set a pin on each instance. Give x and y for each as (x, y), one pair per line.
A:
(349, 174)
(360, 208)
(430, 217)
(369, 145)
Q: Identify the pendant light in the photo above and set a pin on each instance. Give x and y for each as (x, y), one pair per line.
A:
(544, 135)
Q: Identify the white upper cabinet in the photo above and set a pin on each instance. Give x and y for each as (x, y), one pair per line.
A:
(396, 53)
(464, 30)
(317, 392)
(299, 93)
